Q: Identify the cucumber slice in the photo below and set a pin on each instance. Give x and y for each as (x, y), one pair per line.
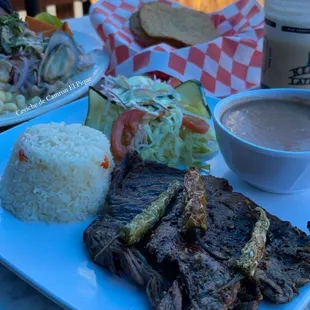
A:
(95, 103)
(193, 99)
(99, 115)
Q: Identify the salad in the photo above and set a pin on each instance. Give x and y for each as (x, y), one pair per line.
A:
(33, 66)
(162, 123)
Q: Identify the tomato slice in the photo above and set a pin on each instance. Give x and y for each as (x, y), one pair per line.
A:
(159, 75)
(165, 78)
(123, 132)
(195, 124)
(174, 82)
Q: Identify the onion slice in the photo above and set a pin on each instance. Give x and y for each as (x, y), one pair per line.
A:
(22, 78)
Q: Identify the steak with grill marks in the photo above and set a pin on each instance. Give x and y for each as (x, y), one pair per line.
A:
(178, 273)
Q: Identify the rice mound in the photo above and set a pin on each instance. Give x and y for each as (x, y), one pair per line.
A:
(57, 172)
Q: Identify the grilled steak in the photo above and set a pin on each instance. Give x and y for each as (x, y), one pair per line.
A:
(201, 274)
(176, 271)
(284, 268)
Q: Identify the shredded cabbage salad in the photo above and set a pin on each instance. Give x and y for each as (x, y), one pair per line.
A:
(162, 139)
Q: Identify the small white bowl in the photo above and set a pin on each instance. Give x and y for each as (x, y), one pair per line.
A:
(274, 171)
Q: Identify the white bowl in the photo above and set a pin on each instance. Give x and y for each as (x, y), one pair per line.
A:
(270, 170)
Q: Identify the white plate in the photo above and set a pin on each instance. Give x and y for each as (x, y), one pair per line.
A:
(53, 258)
(91, 77)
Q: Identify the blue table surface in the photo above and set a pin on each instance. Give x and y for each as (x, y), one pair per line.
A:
(15, 294)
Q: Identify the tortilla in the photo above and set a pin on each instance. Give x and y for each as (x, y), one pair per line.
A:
(190, 27)
(139, 33)
(143, 38)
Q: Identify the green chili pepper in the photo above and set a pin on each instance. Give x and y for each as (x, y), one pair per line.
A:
(195, 211)
(253, 251)
(133, 232)
(144, 221)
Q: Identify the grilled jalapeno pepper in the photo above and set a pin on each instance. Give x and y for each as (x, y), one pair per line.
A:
(133, 232)
(253, 251)
(144, 221)
(195, 212)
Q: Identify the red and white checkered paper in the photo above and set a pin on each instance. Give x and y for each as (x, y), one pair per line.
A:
(229, 64)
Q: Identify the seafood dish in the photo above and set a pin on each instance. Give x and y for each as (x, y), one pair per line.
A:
(193, 243)
(170, 125)
(34, 66)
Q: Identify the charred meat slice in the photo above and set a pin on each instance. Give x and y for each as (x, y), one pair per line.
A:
(172, 300)
(120, 259)
(96, 235)
(179, 273)
(248, 297)
(135, 184)
(199, 272)
(283, 268)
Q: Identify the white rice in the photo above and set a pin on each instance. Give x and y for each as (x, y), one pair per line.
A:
(61, 178)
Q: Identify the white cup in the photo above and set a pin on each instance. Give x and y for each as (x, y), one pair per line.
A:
(280, 172)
